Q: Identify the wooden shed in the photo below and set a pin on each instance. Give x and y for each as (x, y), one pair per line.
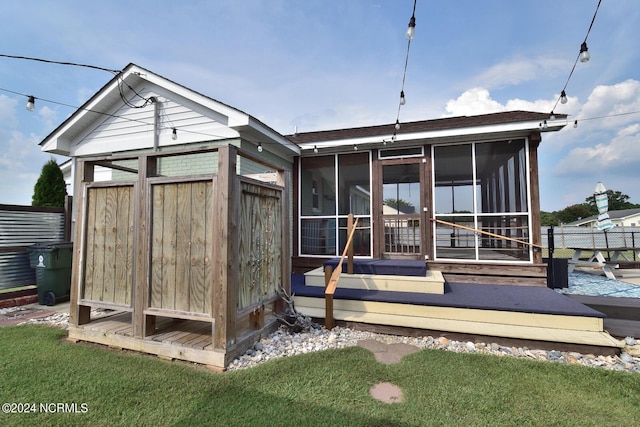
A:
(183, 236)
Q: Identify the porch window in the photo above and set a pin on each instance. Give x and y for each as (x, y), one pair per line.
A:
(482, 186)
(331, 187)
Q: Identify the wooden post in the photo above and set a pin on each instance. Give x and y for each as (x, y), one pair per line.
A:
(329, 322)
(141, 325)
(225, 269)
(534, 192)
(79, 315)
(350, 247)
(327, 275)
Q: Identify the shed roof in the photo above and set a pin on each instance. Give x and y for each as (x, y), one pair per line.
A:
(507, 123)
(104, 105)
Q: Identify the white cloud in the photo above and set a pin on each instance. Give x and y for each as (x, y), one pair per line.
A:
(516, 71)
(8, 112)
(620, 155)
(479, 101)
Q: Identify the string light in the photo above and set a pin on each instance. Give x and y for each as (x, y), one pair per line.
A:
(584, 52)
(563, 97)
(575, 124)
(259, 147)
(411, 28)
(174, 134)
(315, 149)
(411, 32)
(583, 56)
(31, 103)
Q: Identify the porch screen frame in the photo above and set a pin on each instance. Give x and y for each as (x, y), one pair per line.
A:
(337, 218)
(475, 217)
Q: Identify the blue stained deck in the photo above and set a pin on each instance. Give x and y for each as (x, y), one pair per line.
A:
(389, 267)
(524, 299)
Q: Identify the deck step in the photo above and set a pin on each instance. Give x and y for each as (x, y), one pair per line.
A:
(538, 314)
(431, 282)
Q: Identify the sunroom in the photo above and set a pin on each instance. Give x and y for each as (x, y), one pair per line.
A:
(458, 193)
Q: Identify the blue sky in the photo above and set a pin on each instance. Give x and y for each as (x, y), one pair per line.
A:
(325, 64)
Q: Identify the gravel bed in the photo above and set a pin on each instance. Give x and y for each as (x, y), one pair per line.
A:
(283, 344)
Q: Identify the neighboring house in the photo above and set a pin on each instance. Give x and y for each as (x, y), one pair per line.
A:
(619, 218)
(187, 208)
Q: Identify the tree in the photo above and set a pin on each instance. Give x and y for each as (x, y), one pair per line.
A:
(617, 201)
(574, 213)
(548, 218)
(50, 189)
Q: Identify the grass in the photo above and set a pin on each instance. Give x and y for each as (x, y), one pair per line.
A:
(329, 388)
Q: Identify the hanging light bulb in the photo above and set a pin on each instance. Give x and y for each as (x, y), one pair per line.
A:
(544, 124)
(259, 147)
(397, 124)
(563, 97)
(355, 147)
(402, 98)
(584, 52)
(411, 29)
(31, 103)
(575, 124)
(174, 134)
(552, 116)
(315, 149)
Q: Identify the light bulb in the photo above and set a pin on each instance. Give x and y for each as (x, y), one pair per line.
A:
(544, 125)
(397, 124)
(552, 116)
(315, 149)
(402, 98)
(411, 29)
(174, 134)
(575, 124)
(584, 52)
(563, 97)
(260, 147)
(31, 103)
(355, 147)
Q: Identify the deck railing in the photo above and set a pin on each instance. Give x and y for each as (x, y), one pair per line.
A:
(332, 278)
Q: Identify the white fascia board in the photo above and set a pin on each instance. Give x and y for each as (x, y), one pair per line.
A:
(274, 136)
(440, 134)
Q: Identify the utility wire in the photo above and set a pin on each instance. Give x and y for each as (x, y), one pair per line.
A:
(60, 63)
(115, 116)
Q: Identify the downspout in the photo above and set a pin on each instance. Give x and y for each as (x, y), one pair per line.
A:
(156, 123)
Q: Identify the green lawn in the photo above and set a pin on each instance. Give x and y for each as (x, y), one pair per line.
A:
(329, 388)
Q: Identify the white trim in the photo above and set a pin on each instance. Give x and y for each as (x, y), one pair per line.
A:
(425, 136)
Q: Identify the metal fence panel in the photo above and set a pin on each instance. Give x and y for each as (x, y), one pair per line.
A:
(587, 237)
(21, 227)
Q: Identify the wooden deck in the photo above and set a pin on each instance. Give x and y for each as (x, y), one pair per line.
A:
(519, 312)
(181, 339)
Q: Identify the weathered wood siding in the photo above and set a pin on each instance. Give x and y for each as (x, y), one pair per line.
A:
(182, 247)
(260, 244)
(109, 249)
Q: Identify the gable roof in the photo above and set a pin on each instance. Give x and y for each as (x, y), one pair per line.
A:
(107, 104)
(618, 215)
(506, 124)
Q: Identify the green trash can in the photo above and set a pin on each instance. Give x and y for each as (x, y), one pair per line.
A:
(52, 262)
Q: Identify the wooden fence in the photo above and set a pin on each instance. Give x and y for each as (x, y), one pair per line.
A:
(212, 247)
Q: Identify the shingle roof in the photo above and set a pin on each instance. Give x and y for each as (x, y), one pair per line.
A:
(422, 126)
